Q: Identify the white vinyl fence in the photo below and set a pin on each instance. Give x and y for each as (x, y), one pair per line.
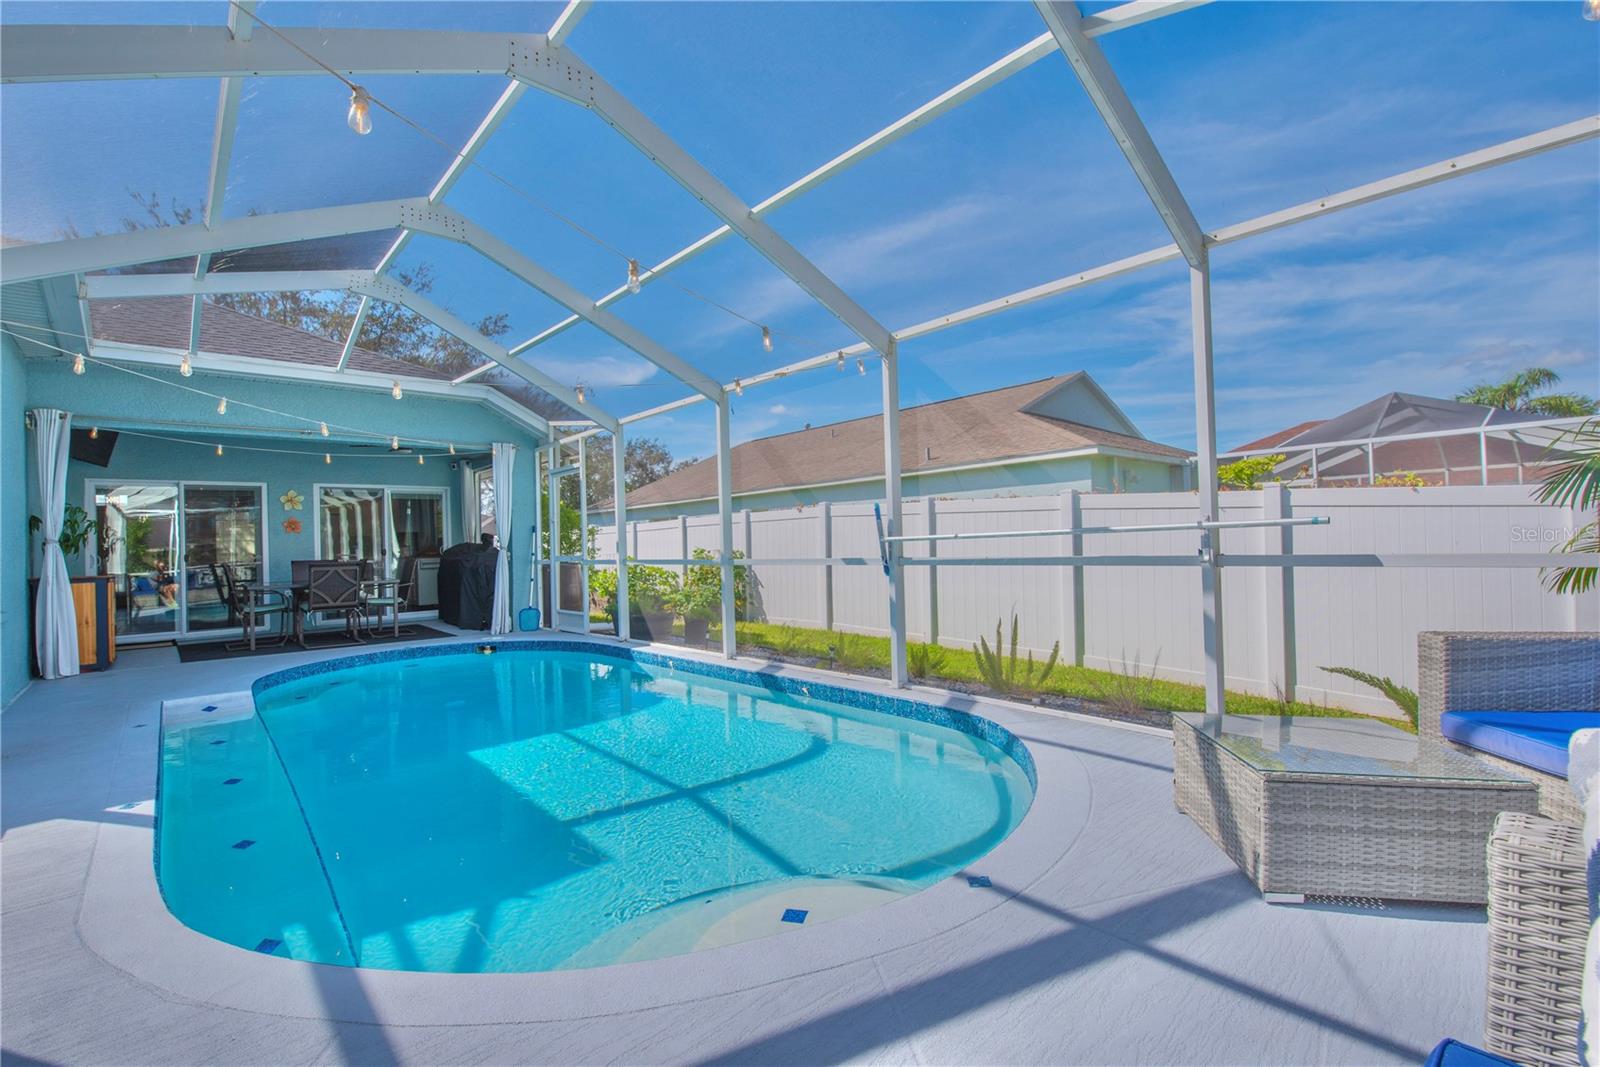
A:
(1392, 562)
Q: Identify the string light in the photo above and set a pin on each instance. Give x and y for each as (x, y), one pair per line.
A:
(738, 387)
(219, 450)
(766, 338)
(841, 359)
(222, 405)
(395, 390)
(327, 457)
(419, 459)
(633, 276)
(78, 364)
(452, 449)
(581, 395)
(861, 366)
(360, 117)
(322, 426)
(394, 444)
(1591, 10)
(185, 368)
(94, 433)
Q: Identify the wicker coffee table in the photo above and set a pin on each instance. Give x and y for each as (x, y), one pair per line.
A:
(1342, 807)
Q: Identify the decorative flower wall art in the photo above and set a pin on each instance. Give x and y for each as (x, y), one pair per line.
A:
(292, 500)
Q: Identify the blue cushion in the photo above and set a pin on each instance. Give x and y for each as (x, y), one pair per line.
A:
(1452, 1053)
(1536, 739)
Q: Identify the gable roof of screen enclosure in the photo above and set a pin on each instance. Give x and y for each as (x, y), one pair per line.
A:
(34, 53)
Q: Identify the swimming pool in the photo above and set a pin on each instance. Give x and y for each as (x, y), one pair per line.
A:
(561, 804)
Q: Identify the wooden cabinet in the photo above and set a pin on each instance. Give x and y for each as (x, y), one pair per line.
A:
(94, 605)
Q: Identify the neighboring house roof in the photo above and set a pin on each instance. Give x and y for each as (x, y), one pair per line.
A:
(163, 322)
(1010, 423)
(1394, 414)
(1273, 440)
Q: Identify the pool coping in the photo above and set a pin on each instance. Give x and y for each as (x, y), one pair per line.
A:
(124, 920)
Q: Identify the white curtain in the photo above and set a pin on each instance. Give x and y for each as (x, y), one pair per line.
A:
(505, 456)
(470, 524)
(55, 630)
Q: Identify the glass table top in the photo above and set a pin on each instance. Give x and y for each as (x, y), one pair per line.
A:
(1301, 744)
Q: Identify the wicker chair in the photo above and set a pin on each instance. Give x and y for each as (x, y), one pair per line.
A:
(1509, 672)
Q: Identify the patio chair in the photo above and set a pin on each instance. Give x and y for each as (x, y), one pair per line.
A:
(379, 596)
(336, 587)
(1512, 700)
(252, 607)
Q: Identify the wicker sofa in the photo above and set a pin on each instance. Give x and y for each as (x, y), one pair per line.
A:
(1538, 907)
(1524, 674)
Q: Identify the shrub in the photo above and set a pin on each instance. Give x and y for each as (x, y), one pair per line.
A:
(1398, 695)
(924, 660)
(1010, 676)
(1248, 472)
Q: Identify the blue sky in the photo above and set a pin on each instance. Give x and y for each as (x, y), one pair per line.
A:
(1255, 107)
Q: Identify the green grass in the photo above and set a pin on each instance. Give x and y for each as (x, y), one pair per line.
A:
(859, 651)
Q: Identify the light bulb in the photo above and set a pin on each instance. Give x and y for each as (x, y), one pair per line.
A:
(222, 406)
(219, 450)
(861, 366)
(395, 390)
(360, 116)
(185, 368)
(322, 426)
(1591, 10)
(94, 433)
(419, 459)
(841, 361)
(394, 444)
(738, 387)
(327, 457)
(78, 364)
(452, 450)
(633, 276)
(766, 338)
(581, 395)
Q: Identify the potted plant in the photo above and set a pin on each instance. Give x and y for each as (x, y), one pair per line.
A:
(78, 530)
(651, 594)
(699, 602)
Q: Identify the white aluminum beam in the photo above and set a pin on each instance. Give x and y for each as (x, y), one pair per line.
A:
(1570, 133)
(78, 255)
(1109, 99)
(568, 21)
(253, 367)
(1583, 129)
(355, 332)
(730, 613)
(559, 72)
(395, 293)
(241, 25)
(46, 53)
(895, 520)
(458, 166)
(139, 286)
(1014, 62)
(619, 522)
(1205, 431)
(442, 221)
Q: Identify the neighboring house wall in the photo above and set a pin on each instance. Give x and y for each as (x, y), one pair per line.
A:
(14, 563)
(113, 398)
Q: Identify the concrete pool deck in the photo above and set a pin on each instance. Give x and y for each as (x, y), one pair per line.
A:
(1113, 931)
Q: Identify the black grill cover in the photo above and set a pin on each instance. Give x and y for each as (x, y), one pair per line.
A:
(466, 586)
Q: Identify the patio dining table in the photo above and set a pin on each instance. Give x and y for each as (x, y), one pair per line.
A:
(295, 593)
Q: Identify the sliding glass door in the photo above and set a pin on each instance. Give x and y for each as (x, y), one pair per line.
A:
(221, 528)
(142, 555)
(169, 543)
(400, 530)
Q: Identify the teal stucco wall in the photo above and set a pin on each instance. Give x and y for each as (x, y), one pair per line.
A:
(115, 400)
(13, 524)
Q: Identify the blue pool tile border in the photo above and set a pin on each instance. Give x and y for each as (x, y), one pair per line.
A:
(951, 718)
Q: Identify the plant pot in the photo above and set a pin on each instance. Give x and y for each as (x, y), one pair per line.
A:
(650, 625)
(696, 630)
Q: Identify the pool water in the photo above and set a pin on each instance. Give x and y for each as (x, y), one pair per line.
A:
(532, 810)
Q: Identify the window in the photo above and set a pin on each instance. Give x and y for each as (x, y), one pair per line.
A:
(486, 500)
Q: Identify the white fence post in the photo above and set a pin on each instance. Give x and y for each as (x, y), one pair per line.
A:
(931, 518)
(1072, 600)
(683, 546)
(1277, 592)
(827, 571)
